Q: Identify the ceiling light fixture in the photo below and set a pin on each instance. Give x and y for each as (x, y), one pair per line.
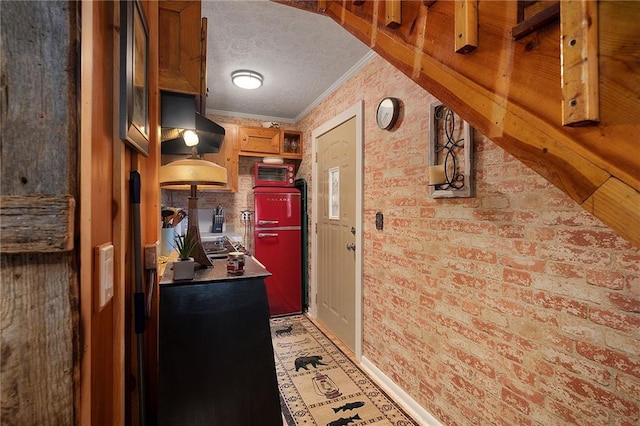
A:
(246, 79)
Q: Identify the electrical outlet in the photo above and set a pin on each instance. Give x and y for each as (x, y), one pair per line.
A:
(104, 274)
(151, 256)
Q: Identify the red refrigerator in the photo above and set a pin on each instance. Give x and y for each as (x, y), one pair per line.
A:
(277, 245)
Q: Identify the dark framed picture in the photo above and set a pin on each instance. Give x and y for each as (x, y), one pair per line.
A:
(134, 76)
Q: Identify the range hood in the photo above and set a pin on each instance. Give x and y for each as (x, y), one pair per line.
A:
(178, 113)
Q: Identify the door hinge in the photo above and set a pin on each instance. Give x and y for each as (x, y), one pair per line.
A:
(316, 227)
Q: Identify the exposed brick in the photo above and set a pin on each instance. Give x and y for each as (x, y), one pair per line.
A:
(629, 262)
(516, 401)
(574, 254)
(491, 329)
(606, 239)
(509, 352)
(467, 386)
(476, 363)
(511, 231)
(625, 303)
(616, 320)
(466, 280)
(518, 277)
(563, 304)
(523, 391)
(495, 216)
(600, 395)
(541, 315)
(607, 357)
(605, 278)
(565, 270)
(526, 248)
(523, 263)
(572, 417)
(593, 372)
(477, 254)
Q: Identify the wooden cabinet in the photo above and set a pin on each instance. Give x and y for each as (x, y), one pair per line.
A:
(179, 45)
(228, 157)
(216, 364)
(259, 141)
(291, 144)
(263, 141)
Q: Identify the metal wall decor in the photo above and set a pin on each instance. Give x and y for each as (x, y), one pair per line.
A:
(450, 154)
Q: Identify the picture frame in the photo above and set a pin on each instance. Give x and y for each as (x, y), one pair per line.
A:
(134, 76)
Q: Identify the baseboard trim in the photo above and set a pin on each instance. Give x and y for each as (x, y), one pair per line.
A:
(403, 399)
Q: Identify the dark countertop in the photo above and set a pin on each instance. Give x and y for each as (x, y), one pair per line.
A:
(252, 269)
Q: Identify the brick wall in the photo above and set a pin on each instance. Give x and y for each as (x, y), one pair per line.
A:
(512, 307)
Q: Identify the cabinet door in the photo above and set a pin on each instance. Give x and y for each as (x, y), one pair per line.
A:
(179, 46)
(259, 140)
(291, 144)
(228, 157)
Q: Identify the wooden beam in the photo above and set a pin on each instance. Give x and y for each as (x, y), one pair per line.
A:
(392, 13)
(616, 204)
(579, 62)
(466, 17)
(36, 223)
(539, 20)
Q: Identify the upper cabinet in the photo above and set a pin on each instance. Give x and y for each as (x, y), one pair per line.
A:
(291, 144)
(260, 141)
(180, 35)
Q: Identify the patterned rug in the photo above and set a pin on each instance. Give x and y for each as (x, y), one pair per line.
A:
(319, 385)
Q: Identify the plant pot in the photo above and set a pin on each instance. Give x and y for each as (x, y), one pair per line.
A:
(183, 269)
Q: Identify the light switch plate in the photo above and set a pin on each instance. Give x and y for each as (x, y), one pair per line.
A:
(104, 275)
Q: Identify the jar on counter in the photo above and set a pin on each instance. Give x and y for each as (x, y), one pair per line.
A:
(235, 263)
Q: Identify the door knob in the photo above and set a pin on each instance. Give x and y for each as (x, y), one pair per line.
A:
(351, 246)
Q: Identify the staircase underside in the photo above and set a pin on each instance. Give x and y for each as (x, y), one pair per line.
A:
(511, 91)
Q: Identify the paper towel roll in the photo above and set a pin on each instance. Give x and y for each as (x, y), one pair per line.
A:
(167, 240)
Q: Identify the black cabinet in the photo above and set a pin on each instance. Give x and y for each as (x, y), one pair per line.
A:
(216, 363)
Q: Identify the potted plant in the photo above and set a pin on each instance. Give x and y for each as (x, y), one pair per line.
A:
(184, 267)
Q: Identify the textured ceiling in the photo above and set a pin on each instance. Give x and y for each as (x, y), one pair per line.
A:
(302, 56)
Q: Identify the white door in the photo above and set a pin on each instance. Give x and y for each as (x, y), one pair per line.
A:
(337, 214)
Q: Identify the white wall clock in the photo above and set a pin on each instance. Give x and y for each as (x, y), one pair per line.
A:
(388, 113)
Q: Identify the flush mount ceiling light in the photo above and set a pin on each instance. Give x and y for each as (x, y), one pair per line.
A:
(246, 79)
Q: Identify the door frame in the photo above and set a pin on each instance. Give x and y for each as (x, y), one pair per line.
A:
(355, 110)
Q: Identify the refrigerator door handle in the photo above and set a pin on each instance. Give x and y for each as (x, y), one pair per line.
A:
(267, 234)
(267, 222)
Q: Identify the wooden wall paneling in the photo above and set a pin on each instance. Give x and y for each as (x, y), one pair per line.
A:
(39, 321)
(502, 104)
(579, 62)
(103, 360)
(88, 42)
(53, 216)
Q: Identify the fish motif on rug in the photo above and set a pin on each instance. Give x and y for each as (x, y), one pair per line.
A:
(320, 385)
